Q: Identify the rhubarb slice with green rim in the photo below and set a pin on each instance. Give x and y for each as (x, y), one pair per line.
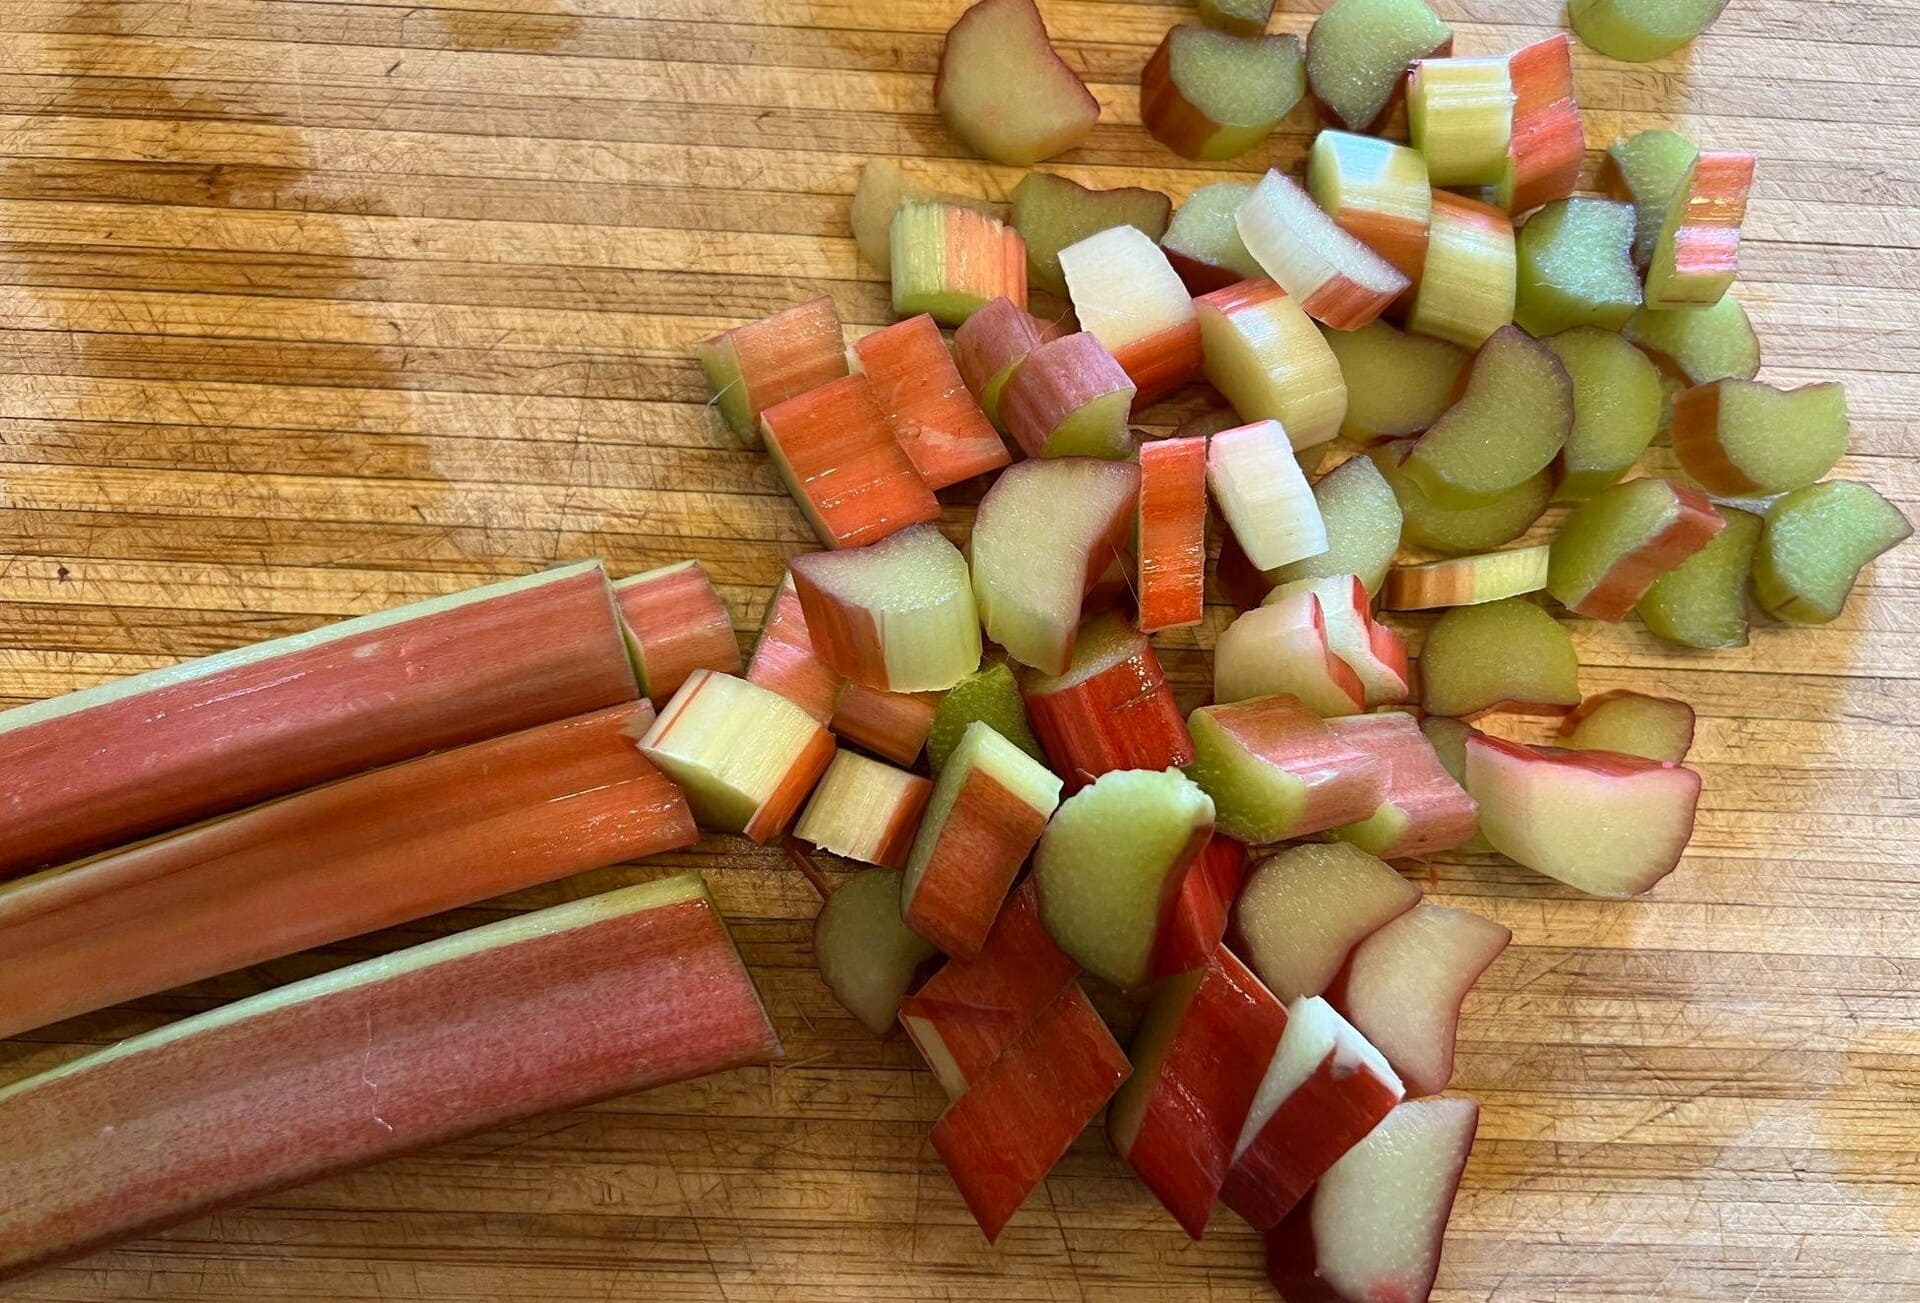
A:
(1203, 244)
(367, 852)
(675, 624)
(1362, 519)
(1702, 602)
(1575, 267)
(1467, 580)
(1640, 31)
(1632, 723)
(1699, 345)
(1306, 908)
(1616, 543)
(1210, 95)
(1645, 169)
(1397, 383)
(1507, 655)
(1508, 425)
(864, 810)
(1276, 771)
(1266, 357)
(1358, 53)
(1423, 809)
(1815, 544)
(866, 954)
(181, 743)
(752, 367)
(1052, 212)
(554, 1009)
(1469, 529)
(990, 695)
(1616, 410)
(1741, 438)
(897, 615)
(1111, 709)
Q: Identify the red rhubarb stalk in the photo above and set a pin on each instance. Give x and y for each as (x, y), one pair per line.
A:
(889, 724)
(1112, 709)
(1187, 940)
(1172, 533)
(835, 449)
(946, 435)
(676, 624)
(784, 660)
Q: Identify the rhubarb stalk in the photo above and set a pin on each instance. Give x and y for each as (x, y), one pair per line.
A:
(676, 624)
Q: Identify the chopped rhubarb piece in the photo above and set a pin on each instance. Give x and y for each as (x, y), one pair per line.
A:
(946, 435)
(1005, 91)
(1616, 543)
(1702, 602)
(554, 1009)
(1508, 425)
(1337, 279)
(1276, 771)
(1460, 117)
(1128, 296)
(1575, 267)
(746, 756)
(1374, 1227)
(752, 367)
(1266, 500)
(1377, 191)
(992, 802)
(107, 765)
(1282, 647)
(1698, 345)
(1111, 709)
(950, 261)
(1371, 650)
(1203, 244)
(1816, 542)
(1240, 17)
(990, 344)
(1171, 529)
(1467, 284)
(1397, 383)
(1188, 939)
(676, 624)
(969, 1011)
(1211, 95)
(1549, 143)
(889, 724)
(896, 615)
(1052, 212)
(784, 660)
(1044, 533)
(1424, 810)
(1198, 1060)
(835, 449)
(1358, 54)
(1640, 31)
(1403, 985)
(1505, 655)
(1632, 723)
(883, 187)
(1740, 437)
(1069, 398)
(1466, 529)
(1608, 824)
(1362, 520)
(1467, 580)
(1616, 409)
(1305, 909)
(866, 954)
(1645, 169)
(864, 810)
(1449, 738)
(1001, 1138)
(1111, 864)
(1267, 358)
(371, 851)
(1324, 1090)
(1697, 254)
(991, 695)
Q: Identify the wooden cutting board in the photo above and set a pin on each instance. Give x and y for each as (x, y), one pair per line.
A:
(314, 306)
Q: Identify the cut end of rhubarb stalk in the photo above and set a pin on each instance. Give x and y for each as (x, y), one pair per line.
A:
(1467, 529)
(1052, 212)
(950, 261)
(866, 955)
(1111, 709)
(1283, 647)
(1508, 655)
(947, 437)
(1460, 118)
(864, 810)
(1423, 809)
(1305, 909)
(1645, 169)
(1337, 279)
(1265, 498)
(1363, 522)
(834, 448)
(1632, 723)
(1276, 771)
(1507, 426)
(1128, 296)
(1467, 580)
(676, 624)
(1358, 54)
(897, 615)
(1614, 545)
(1616, 410)
(752, 367)
(1698, 345)
(1815, 544)
(1005, 91)
(1740, 438)
(1702, 602)
(1211, 95)
(1069, 398)
(1264, 354)
(1576, 267)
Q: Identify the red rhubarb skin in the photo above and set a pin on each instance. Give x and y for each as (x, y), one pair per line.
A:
(680, 625)
(893, 725)
(836, 451)
(1342, 303)
(1172, 530)
(1124, 717)
(1627, 579)
(1440, 814)
(777, 811)
(1326, 1115)
(1548, 142)
(1056, 380)
(1207, 1082)
(994, 339)
(976, 1007)
(368, 852)
(1344, 781)
(788, 353)
(1001, 1138)
(346, 1078)
(986, 837)
(1188, 939)
(1400, 240)
(844, 634)
(784, 660)
(944, 432)
(102, 776)
(1162, 362)
(1173, 120)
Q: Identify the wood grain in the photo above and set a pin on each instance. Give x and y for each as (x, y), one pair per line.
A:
(308, 307)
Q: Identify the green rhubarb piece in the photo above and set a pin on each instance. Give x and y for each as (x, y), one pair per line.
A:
(1816, 542)
(1359, 51)
(1575, 268)
(1397, 383)
(1646, 169)
(1467, 529)
(1640, 31)
(950, 261)
(1205, 235)
(1241, 755)
(1449, 739)
(1507, 427)
(1616, 543)
(1051, 212)
(1240, 17)
(1702, 602)
(1362, 518)
(1209, 95)
(1743, 437)
(1616, 409)
(1699, 344)
(991, 696)
(1508, 653)
(1633, 724)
